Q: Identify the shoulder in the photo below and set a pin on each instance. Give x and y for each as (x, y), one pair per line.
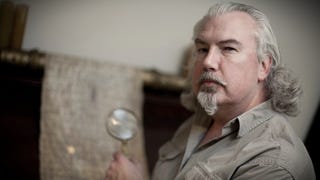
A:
(177, 143)
(180, 136)
(286, 153)
(170, 154)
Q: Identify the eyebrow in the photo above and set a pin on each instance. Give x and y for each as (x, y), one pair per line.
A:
(199, 41)
(230, 41)
(222, 42)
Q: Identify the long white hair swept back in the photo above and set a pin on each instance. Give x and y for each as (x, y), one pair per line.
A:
(283, 89)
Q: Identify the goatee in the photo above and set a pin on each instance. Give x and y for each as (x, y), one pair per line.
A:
(207, 99)
(207, 94)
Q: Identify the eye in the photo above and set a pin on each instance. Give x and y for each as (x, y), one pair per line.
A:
(202, 50)
(229, 49)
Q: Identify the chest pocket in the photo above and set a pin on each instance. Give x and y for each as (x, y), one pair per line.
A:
(198, 172)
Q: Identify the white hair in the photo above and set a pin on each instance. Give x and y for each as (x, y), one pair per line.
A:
(282, 88)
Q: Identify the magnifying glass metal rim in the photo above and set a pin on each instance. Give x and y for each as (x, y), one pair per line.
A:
(125, 110)
(124, 142)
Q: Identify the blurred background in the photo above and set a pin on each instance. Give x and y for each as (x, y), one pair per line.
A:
(157, 35)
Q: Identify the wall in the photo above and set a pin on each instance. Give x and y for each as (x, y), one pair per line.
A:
(155, 34)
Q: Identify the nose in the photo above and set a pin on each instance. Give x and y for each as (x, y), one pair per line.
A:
(211, 61)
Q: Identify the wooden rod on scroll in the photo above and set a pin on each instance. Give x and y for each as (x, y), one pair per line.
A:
(36, 59)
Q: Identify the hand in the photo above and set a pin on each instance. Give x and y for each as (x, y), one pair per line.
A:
(121, 168)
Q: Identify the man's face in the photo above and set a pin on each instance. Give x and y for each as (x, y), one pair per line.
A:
(226, 48)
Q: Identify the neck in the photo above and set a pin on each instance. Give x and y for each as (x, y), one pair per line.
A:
(227, 112)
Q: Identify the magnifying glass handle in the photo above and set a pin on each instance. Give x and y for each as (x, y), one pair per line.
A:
(124, 148)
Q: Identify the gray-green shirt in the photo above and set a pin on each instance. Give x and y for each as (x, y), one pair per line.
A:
(259, 144)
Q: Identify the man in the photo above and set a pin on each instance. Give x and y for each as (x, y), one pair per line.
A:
(242, 97)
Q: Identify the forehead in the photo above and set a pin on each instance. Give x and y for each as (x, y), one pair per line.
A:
(232, 25)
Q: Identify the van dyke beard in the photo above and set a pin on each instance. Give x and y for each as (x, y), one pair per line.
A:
(208, 102)
(206, 96)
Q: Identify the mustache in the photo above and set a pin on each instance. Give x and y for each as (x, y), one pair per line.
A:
(209, 76)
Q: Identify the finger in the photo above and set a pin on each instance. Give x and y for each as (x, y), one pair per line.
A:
(137, 164)
(117, 155)
(133, 160)
(121, 158)
(109, 175)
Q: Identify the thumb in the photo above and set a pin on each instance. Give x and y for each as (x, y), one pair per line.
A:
(120, 157)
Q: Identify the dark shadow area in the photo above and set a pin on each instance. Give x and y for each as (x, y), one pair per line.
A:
(20, 94)
(163, 114)
(312, 141)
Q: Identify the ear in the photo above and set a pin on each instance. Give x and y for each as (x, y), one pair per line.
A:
(264, 68)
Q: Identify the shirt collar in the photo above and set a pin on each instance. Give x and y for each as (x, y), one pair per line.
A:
(254, 117)
(244, 123)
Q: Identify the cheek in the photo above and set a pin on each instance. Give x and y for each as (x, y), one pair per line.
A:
(245, 70)
(241, 78)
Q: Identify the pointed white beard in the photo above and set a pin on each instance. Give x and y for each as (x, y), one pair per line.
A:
(208, 101)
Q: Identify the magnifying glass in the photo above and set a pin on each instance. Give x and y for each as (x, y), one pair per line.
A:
(122, 125)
